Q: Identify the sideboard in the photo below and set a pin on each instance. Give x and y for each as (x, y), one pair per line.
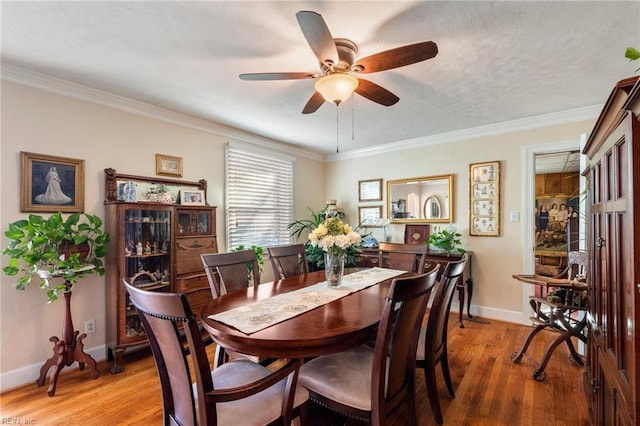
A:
(369, 258)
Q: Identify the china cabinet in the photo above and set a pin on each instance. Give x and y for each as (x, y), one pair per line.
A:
(613, 193)
(156, 245)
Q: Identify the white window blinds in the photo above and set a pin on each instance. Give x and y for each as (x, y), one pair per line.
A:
(258, 197)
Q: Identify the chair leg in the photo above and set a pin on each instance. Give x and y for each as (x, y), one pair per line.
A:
(444, 363)
(220, 357)
(432, 391)
(411, 407)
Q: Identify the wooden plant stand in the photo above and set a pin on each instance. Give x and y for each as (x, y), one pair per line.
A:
(67, 351)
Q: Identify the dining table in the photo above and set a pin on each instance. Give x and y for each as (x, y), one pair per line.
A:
(340, 324)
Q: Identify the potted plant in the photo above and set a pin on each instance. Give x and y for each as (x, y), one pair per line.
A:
(447, 240)
(315, 254)
(68, 248)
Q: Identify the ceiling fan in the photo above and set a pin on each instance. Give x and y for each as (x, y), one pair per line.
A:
(338, 65)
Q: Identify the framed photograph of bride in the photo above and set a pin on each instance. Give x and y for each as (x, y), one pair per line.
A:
(51, 184)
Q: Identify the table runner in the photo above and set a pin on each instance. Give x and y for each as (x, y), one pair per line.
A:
(265, 313)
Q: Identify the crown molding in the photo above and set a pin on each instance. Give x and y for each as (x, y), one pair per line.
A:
(545, 120)
(36, 80)
(29, 78)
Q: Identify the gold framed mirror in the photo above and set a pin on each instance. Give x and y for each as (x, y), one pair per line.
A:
(420, 200)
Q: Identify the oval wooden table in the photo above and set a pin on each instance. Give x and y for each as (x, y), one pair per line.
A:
(334, 327)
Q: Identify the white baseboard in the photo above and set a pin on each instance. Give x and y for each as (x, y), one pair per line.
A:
(489, 313)
(29, 374)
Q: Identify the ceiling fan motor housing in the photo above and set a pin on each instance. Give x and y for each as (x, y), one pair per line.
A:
(347, 51)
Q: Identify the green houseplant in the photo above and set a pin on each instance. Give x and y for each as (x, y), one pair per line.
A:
(315, 254)
(447, 240)
(70, 248)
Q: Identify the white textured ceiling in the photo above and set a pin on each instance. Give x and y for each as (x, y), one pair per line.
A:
(497, 61)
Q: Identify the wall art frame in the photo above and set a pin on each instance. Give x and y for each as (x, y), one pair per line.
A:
(370, 190)
(51, 184)
(369, 216)
(168, 165)
(192, 197)
(484, 199)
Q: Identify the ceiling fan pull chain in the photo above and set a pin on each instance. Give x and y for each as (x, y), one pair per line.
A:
(353, 120)
(337, 129)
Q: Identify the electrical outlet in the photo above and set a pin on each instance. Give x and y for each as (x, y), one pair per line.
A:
(90, 326)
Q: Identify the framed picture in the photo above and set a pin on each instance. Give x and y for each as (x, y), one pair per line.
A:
(369, 216)
(51, 184)
(193, 197)
(370, 190)
(484, 199)
(168, 165)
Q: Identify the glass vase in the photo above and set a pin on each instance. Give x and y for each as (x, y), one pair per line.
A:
(334, 269)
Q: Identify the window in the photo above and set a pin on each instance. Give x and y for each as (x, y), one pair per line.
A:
(258, 196)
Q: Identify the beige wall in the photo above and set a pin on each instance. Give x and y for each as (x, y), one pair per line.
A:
(44, 123)
(495, 259)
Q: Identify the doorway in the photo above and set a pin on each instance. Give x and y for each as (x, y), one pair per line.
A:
(530, 206)
(557, 203)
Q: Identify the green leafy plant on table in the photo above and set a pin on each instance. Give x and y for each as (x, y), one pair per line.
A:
(447, 240)
(70, 248)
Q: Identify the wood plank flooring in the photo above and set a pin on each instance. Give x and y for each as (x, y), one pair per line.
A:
(490, 389)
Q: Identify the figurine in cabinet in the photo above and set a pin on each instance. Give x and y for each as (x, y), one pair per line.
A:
(139, 248)
(147, 248)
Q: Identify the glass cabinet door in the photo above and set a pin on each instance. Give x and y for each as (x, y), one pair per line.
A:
(194, 222)
(147, 257)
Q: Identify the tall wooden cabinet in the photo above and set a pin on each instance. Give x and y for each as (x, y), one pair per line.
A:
(613, 350)
(155, 246)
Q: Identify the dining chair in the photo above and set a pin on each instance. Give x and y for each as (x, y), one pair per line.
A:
(229, 272)
(368, 383)
(432, 343)
(408, 257)
(238, 392)
(287, 261)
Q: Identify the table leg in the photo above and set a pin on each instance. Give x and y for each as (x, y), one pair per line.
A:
(469, 283)
(460, 287)
(66, 352)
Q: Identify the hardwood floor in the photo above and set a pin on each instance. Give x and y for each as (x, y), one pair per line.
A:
(490, 389)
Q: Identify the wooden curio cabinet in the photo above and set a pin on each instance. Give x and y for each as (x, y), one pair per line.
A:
(155, 246)
(611, 378)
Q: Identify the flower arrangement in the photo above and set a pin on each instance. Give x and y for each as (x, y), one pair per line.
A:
(334, 237)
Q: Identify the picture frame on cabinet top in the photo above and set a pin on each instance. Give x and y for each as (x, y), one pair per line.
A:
(168, 165)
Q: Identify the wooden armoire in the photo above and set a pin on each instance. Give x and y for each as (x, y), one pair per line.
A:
(612, 378)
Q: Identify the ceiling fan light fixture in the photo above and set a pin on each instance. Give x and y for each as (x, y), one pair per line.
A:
(336, 87)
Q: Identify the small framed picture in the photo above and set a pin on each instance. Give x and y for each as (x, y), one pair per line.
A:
(369, 216)
(370, 190)
(168, 165)
(192, 197)
(51, 184)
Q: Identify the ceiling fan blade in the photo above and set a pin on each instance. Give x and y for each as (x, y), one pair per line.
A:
(375, 93)
(277, 76)
(398, 57)
(318, 36)
(313, 104)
